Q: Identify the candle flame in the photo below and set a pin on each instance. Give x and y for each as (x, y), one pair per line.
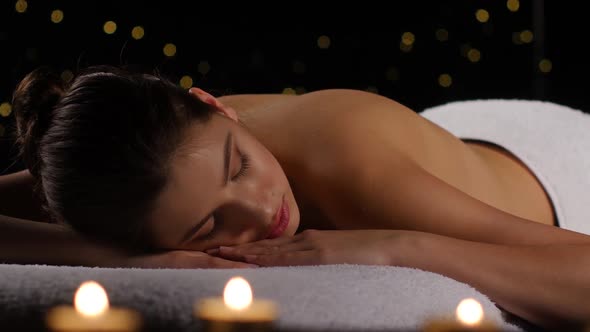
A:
(237, 294)
(91, 299)
(469, 312)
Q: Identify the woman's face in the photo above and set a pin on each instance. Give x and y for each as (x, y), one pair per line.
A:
(225, 188)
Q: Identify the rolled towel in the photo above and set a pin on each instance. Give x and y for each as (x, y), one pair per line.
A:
(552, 140)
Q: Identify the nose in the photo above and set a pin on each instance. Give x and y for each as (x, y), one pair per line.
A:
(252, 212)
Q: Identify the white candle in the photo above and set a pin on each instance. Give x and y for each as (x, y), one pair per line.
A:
(469, 316)
(237, 310)
(92, 312)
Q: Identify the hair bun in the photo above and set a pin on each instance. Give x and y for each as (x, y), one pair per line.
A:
(33, 101)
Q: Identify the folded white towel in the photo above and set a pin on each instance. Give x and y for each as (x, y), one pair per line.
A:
(552, 140)
(315, 298)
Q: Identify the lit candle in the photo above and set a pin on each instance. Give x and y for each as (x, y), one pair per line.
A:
(91, 312)
(237, 310)
(469, 316)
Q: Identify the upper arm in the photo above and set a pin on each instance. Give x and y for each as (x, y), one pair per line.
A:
(396, 193)
(17, 198)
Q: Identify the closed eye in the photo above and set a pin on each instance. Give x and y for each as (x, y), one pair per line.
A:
(245, 164)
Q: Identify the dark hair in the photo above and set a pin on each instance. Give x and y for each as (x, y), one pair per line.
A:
(100, 145)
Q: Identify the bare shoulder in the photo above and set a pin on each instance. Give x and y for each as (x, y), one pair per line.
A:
(20, 178)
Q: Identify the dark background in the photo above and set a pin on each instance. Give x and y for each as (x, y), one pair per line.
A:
(273, 48)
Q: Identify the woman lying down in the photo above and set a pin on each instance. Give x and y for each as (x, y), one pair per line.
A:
(129, 170)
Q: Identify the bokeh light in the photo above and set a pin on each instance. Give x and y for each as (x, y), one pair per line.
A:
(109, 27)
(474, 55)
(526, 36)
(445, 80)
(482, 15)
(5, 109)
(57, 16)
(513, 5)
(169, 50)
(137, 32)
(186, 82)
(324, 42)
(408, 38)
(545, 65)
(21, 6)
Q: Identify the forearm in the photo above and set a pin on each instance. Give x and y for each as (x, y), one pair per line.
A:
(548, 285)
(29, 242)
(17, 198)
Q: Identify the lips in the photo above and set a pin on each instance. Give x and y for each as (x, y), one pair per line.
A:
(281, 221)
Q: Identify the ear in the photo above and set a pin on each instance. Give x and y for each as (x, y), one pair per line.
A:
(217, 105)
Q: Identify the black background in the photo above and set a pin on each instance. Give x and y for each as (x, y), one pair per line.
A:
(265, 48)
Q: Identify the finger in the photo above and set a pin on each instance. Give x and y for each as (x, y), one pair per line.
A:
(221, 263)
(238, 254)
(279, 241)
(294, 258)
(262, 243)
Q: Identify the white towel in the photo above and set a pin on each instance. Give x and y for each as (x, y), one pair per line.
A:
(552, 140)
(311, 298)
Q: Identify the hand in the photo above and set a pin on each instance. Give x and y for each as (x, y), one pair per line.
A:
(182, 259)
(313, 247)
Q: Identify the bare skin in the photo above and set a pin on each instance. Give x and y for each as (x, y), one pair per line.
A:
(373, 183)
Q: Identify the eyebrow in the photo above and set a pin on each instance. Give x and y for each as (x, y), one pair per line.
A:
(226, 161)
(227, 156)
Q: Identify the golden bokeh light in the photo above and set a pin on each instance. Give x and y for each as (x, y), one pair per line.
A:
(137, 32)
(324, 42)
(169, 50)
(289, 91)
(513, 5)
(21, 6)
(57, 16)
(5, 109)
(545, 65)
(67, 75)
(442, 34)
(408, 38)
(474, 55)
(109, 27)
(482, 15)
(204, 67)
(445, 80)
(526, 36)
(186, 82)
(392, 74)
